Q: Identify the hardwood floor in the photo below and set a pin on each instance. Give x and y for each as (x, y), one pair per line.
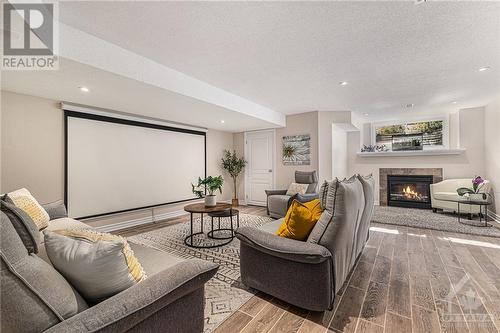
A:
(406, 280)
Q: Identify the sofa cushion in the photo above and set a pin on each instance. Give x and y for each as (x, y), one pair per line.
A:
(446, 196)
(23, 199)
(24, 226)
(34, 296)
(300, 220)
(368, 184)
(98, 265)
(271, 227)
(337, 226)
(66, 223)
(153, 261)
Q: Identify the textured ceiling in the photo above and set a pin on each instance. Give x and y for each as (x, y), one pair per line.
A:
(290, 56)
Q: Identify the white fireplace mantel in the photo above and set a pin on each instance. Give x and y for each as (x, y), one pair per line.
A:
(426, 152)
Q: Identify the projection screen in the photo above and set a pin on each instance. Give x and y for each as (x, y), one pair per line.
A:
(115, 165)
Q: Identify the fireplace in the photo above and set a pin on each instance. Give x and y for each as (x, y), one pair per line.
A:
(409, 191)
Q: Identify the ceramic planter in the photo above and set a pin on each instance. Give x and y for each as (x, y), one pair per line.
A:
(210, 200)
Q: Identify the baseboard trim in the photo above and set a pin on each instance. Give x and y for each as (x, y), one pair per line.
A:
(495, 218)
(144, 220)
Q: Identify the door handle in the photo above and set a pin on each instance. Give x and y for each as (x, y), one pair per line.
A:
(270, 170)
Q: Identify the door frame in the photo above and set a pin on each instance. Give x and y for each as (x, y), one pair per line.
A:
(245, 143)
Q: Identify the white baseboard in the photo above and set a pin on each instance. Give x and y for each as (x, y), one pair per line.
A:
(495, 218)
(144, 220)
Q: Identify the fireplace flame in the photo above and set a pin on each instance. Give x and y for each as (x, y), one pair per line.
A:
(410, 193)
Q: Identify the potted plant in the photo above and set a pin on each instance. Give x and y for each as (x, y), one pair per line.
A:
(473, 193)
(233, 165)
(210, 185)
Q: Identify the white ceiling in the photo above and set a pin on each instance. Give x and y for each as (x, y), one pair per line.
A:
(290, 56)
(114, 92)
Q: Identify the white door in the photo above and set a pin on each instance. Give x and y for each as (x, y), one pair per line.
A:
(259, 152)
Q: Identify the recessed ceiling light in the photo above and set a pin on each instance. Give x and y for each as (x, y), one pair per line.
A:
(222, 121)
(409, 105)
(454, 102)
(485, 68)
(418, 2)
(343, 83)
(84, 89)
(366, 114)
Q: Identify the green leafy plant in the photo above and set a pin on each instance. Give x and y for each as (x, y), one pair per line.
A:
(234, 165)
(209, 184)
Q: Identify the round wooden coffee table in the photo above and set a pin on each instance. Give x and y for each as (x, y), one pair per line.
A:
(200, 208)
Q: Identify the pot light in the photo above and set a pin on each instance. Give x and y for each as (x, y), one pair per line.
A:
(84, 89)
(485, 68)
(222, 121)
(366, 114)
(343, 83)
(454, 102)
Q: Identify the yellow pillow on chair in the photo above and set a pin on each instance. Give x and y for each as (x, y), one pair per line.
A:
(300, 220)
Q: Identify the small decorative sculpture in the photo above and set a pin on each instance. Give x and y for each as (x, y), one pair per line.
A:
(373, 148)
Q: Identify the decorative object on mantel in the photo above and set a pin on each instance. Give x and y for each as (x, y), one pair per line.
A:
(474, 192)
(407, 142)
(297, 149)
(372, 148)
(210, 184)
(425, 152)
(430, 133)
(233, 165)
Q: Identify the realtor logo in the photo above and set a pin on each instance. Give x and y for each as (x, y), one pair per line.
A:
(29, 36)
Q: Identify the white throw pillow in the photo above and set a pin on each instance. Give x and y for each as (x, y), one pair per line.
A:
(296, 188)
(99, 265)
(24, 200)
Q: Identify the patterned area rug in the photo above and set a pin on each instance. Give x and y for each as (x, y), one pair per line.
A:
(427, 219)
(224, 293)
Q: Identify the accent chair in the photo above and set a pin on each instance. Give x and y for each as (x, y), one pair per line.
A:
(278, 201)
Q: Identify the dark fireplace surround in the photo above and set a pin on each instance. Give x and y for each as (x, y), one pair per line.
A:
(407, 187)
(409, 191)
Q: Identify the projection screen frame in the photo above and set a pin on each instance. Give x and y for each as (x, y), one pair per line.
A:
(122, 121)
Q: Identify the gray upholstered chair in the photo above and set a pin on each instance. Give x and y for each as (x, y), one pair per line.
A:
(278, 201)
(308, 274)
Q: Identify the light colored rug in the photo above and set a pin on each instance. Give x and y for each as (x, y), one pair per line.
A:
(224, 293)
(427, 219)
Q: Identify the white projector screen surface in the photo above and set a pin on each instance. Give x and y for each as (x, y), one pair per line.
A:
(113, 167)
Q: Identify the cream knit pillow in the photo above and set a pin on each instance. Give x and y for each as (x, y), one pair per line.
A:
(296, 188)
(24, 200)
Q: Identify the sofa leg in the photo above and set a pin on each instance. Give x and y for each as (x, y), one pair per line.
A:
(470, 216)
(434, 210)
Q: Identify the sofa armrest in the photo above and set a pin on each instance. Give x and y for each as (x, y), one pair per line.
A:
(133, 305)
(56, 209)
(289, 249)
(302, 198)
(275, 192)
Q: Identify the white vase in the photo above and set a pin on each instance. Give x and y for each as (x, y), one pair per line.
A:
(210, 200)
(477, 196)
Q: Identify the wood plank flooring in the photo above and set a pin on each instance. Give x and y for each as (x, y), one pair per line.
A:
(406, 280)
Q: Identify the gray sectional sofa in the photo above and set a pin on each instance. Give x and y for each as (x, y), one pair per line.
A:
(36, 298)
(309, 273)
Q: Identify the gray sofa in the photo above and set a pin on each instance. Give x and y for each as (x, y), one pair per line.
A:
(308, 274)
(278, 201)
(36, 298)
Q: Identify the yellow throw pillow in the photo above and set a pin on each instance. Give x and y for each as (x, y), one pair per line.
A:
(300, 220)
(24, 200)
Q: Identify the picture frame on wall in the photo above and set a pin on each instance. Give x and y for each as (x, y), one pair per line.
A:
(296, 149)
